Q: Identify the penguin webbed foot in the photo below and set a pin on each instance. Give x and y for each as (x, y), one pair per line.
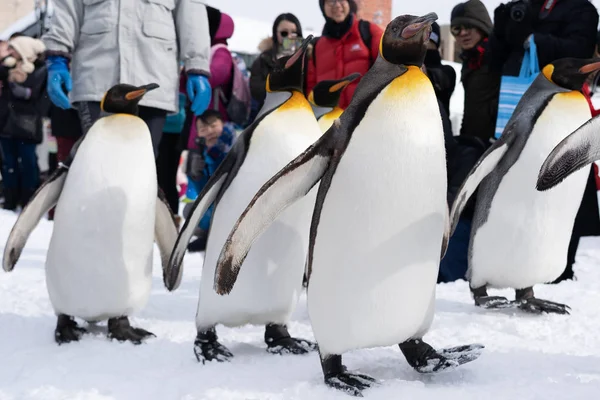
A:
(351, 383)
(67, 330)
(208, 348)
(279, 341)
(338, 377)
(537, 306)
(493, 302)
(425, 359)
(121, 330)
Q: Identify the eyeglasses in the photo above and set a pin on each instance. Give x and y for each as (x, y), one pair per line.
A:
(331, 3)
(457, 29)
(286, 33)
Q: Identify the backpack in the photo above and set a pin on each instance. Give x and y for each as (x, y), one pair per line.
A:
(238, 102)
(364, 27)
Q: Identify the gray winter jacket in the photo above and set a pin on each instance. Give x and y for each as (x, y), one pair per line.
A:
(130, 41)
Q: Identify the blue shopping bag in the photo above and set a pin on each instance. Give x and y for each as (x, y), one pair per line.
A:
(512, 88)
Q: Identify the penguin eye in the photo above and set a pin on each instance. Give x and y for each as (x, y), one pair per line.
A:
(395, 28)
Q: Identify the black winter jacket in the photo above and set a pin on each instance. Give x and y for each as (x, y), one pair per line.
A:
(570, 30)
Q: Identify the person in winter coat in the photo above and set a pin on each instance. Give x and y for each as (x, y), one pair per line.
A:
(471, 26)
(133, 42)
(347, 45)
(21, 133)
(560, 29)
(285, 27)
(442, 76)
(221, 28)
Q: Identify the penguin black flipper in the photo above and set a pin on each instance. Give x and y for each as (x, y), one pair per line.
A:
(41, 202)
(290, 184)
(165, 235)
(215, 187)
(580, 148)
(506, 150)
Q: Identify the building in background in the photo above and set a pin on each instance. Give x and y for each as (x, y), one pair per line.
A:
(377, 11)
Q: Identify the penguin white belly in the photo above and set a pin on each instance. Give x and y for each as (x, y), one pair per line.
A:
(270, 279)
(378, 244)
(526, 236)
(99, 262)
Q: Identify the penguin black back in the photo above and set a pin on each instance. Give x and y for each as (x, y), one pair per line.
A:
(571, 73)
(124, 98)
(288, 72)
(405, 39)
(327, 93)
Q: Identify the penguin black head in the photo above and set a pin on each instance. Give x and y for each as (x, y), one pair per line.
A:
(571, 73)
(124, 98)
(288, 72)
(327, 93)
(405, 39)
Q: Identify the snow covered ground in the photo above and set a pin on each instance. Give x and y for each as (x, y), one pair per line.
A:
(526, 357)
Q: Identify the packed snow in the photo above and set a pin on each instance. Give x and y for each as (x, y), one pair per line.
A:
(526, 356)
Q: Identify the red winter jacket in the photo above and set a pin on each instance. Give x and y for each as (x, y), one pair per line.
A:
(336, 58)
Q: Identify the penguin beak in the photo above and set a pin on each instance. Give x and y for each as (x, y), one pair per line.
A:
(589, 68)
(420, 24)
(140, 91)
(300, 52)
(344, 83)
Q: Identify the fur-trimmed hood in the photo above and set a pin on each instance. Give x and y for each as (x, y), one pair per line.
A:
(265, 45)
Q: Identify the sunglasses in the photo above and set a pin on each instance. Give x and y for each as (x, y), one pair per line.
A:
(457, 29)
(286, 33)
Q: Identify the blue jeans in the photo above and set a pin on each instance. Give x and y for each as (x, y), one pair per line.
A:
(23, 175)
(456, 261)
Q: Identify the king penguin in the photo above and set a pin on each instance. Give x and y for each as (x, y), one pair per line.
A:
(520, 236)
(377, 233)
(325, 98)
(270, 286)
(99, 261)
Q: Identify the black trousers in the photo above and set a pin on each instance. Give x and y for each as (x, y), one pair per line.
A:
(89, 112)
(167, 163)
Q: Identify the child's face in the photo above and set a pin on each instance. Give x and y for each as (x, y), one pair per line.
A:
(210, 130)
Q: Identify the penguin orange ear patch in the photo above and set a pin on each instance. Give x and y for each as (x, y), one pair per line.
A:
(338, 86)
(135, 94)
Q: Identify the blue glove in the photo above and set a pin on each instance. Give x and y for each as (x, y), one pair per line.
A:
(59, 79)
(199, 92)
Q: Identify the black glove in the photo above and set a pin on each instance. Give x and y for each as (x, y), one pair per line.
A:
(520, 24)
(501, 17)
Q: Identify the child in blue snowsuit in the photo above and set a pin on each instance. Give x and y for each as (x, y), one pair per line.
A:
(213, 142)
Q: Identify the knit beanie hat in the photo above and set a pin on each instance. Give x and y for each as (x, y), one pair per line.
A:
(472, 12)
(435, 34)
(352, 3)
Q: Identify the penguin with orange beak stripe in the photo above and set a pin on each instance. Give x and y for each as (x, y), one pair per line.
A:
(109, 212)
(272, 281)
(377, 232)
(520, 236)
(325, 98)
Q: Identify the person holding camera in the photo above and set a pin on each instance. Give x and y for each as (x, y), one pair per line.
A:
(560, 28)
(286, 37)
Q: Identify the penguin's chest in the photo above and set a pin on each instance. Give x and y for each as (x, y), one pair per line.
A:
(100, 255)
(378, 242)
(271, 276)
(525, 237)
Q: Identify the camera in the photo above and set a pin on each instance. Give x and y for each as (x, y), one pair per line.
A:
(289, 45)
(518, 10)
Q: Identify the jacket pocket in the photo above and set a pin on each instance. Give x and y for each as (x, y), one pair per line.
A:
(158, 19)
(99, 16)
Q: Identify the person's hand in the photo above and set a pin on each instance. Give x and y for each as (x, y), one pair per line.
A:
(59, 81)
(199, 93)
